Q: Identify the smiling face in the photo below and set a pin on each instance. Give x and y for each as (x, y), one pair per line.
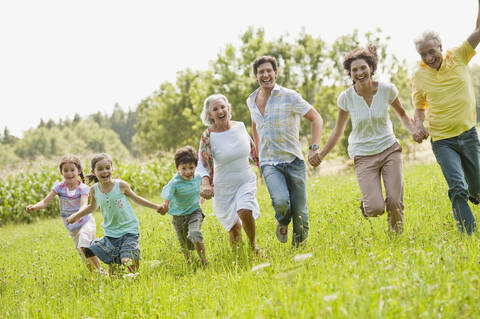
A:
(219, 112)
(186, 170)
(266, 76)
(103, 170)
(70, 173)
(431, 53)
(360, 71)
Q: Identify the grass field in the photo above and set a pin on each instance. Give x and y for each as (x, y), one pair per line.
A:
(356, 270)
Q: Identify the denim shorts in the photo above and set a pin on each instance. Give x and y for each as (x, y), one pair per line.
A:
(112, 250)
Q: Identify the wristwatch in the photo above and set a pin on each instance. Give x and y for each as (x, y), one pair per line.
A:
(313, 147)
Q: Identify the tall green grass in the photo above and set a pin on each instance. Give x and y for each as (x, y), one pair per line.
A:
(356, 270)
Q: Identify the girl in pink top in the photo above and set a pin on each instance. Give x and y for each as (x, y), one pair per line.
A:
(73, 194)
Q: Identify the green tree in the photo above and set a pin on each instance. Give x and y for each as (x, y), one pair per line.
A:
(7, 155)
(169, 118)
(7, 137)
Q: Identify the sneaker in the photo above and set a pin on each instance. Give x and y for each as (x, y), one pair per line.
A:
(363, 210)
(282, 232)
(474, 200)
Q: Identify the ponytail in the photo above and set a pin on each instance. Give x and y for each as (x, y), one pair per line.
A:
(82, 177)
(91, 178)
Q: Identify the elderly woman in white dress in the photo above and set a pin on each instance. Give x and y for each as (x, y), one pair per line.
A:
(225, 148)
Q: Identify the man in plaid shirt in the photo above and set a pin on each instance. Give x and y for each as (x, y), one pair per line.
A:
(276, 112)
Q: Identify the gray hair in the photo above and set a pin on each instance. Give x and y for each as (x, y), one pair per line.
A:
(425, 36)
(205, 116)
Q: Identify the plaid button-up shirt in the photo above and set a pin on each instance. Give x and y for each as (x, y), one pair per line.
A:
(279, 128)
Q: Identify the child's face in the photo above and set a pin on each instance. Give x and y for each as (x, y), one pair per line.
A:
(103, 171)
(70, 173)
(186, 170)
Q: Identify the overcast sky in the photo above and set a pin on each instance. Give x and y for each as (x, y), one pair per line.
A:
(58, 58)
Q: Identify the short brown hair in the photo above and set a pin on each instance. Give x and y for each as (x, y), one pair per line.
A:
(185, 155)
(264, 59)
(368, 54)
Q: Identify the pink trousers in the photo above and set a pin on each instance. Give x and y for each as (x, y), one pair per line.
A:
(370, 171)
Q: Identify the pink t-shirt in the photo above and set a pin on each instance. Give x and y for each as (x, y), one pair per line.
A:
(69, 202)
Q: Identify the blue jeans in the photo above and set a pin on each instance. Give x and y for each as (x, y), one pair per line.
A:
(459, 159)
(112, 250)
(286, 183)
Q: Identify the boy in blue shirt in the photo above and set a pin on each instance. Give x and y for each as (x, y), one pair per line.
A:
(182, 200)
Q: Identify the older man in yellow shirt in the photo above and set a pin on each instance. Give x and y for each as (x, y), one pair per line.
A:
(443, 85)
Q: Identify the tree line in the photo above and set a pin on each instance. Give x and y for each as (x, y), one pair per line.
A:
(170, 116)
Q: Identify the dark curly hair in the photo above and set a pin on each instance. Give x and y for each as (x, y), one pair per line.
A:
(264, 59)
(369, 54)
(185, 155)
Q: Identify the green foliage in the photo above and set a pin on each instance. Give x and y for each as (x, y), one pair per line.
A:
(121, 122)
(149, 178)
(7, 155)
(172, 114)
(84, 137)
(7, 138)
(16, 192)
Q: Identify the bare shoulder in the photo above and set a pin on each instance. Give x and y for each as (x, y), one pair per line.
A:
(124, 186)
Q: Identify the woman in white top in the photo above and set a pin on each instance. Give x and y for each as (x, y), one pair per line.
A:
(372, 144)
(224, 152)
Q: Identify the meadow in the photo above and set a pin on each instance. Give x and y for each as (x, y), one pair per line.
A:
(351, 266)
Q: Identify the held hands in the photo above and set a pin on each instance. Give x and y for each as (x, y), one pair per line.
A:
(314, 158)
(420, 134)
(163, 208)
(206, 191)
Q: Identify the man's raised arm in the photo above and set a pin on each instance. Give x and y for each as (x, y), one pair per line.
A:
(474, 38)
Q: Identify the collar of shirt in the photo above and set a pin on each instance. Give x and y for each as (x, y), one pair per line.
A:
(442, 66)
(253, 97)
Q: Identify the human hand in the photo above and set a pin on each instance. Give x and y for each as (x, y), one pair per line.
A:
(162, 209)
(30, 208)
(314, 158)
(206, 191)
(71, 219)
(420, 134)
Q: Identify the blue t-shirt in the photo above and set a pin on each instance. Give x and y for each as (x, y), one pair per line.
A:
(184, 196)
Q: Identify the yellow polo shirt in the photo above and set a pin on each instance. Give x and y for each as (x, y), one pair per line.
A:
(447, 93)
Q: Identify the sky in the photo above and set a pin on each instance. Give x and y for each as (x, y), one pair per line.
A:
(58, 58)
